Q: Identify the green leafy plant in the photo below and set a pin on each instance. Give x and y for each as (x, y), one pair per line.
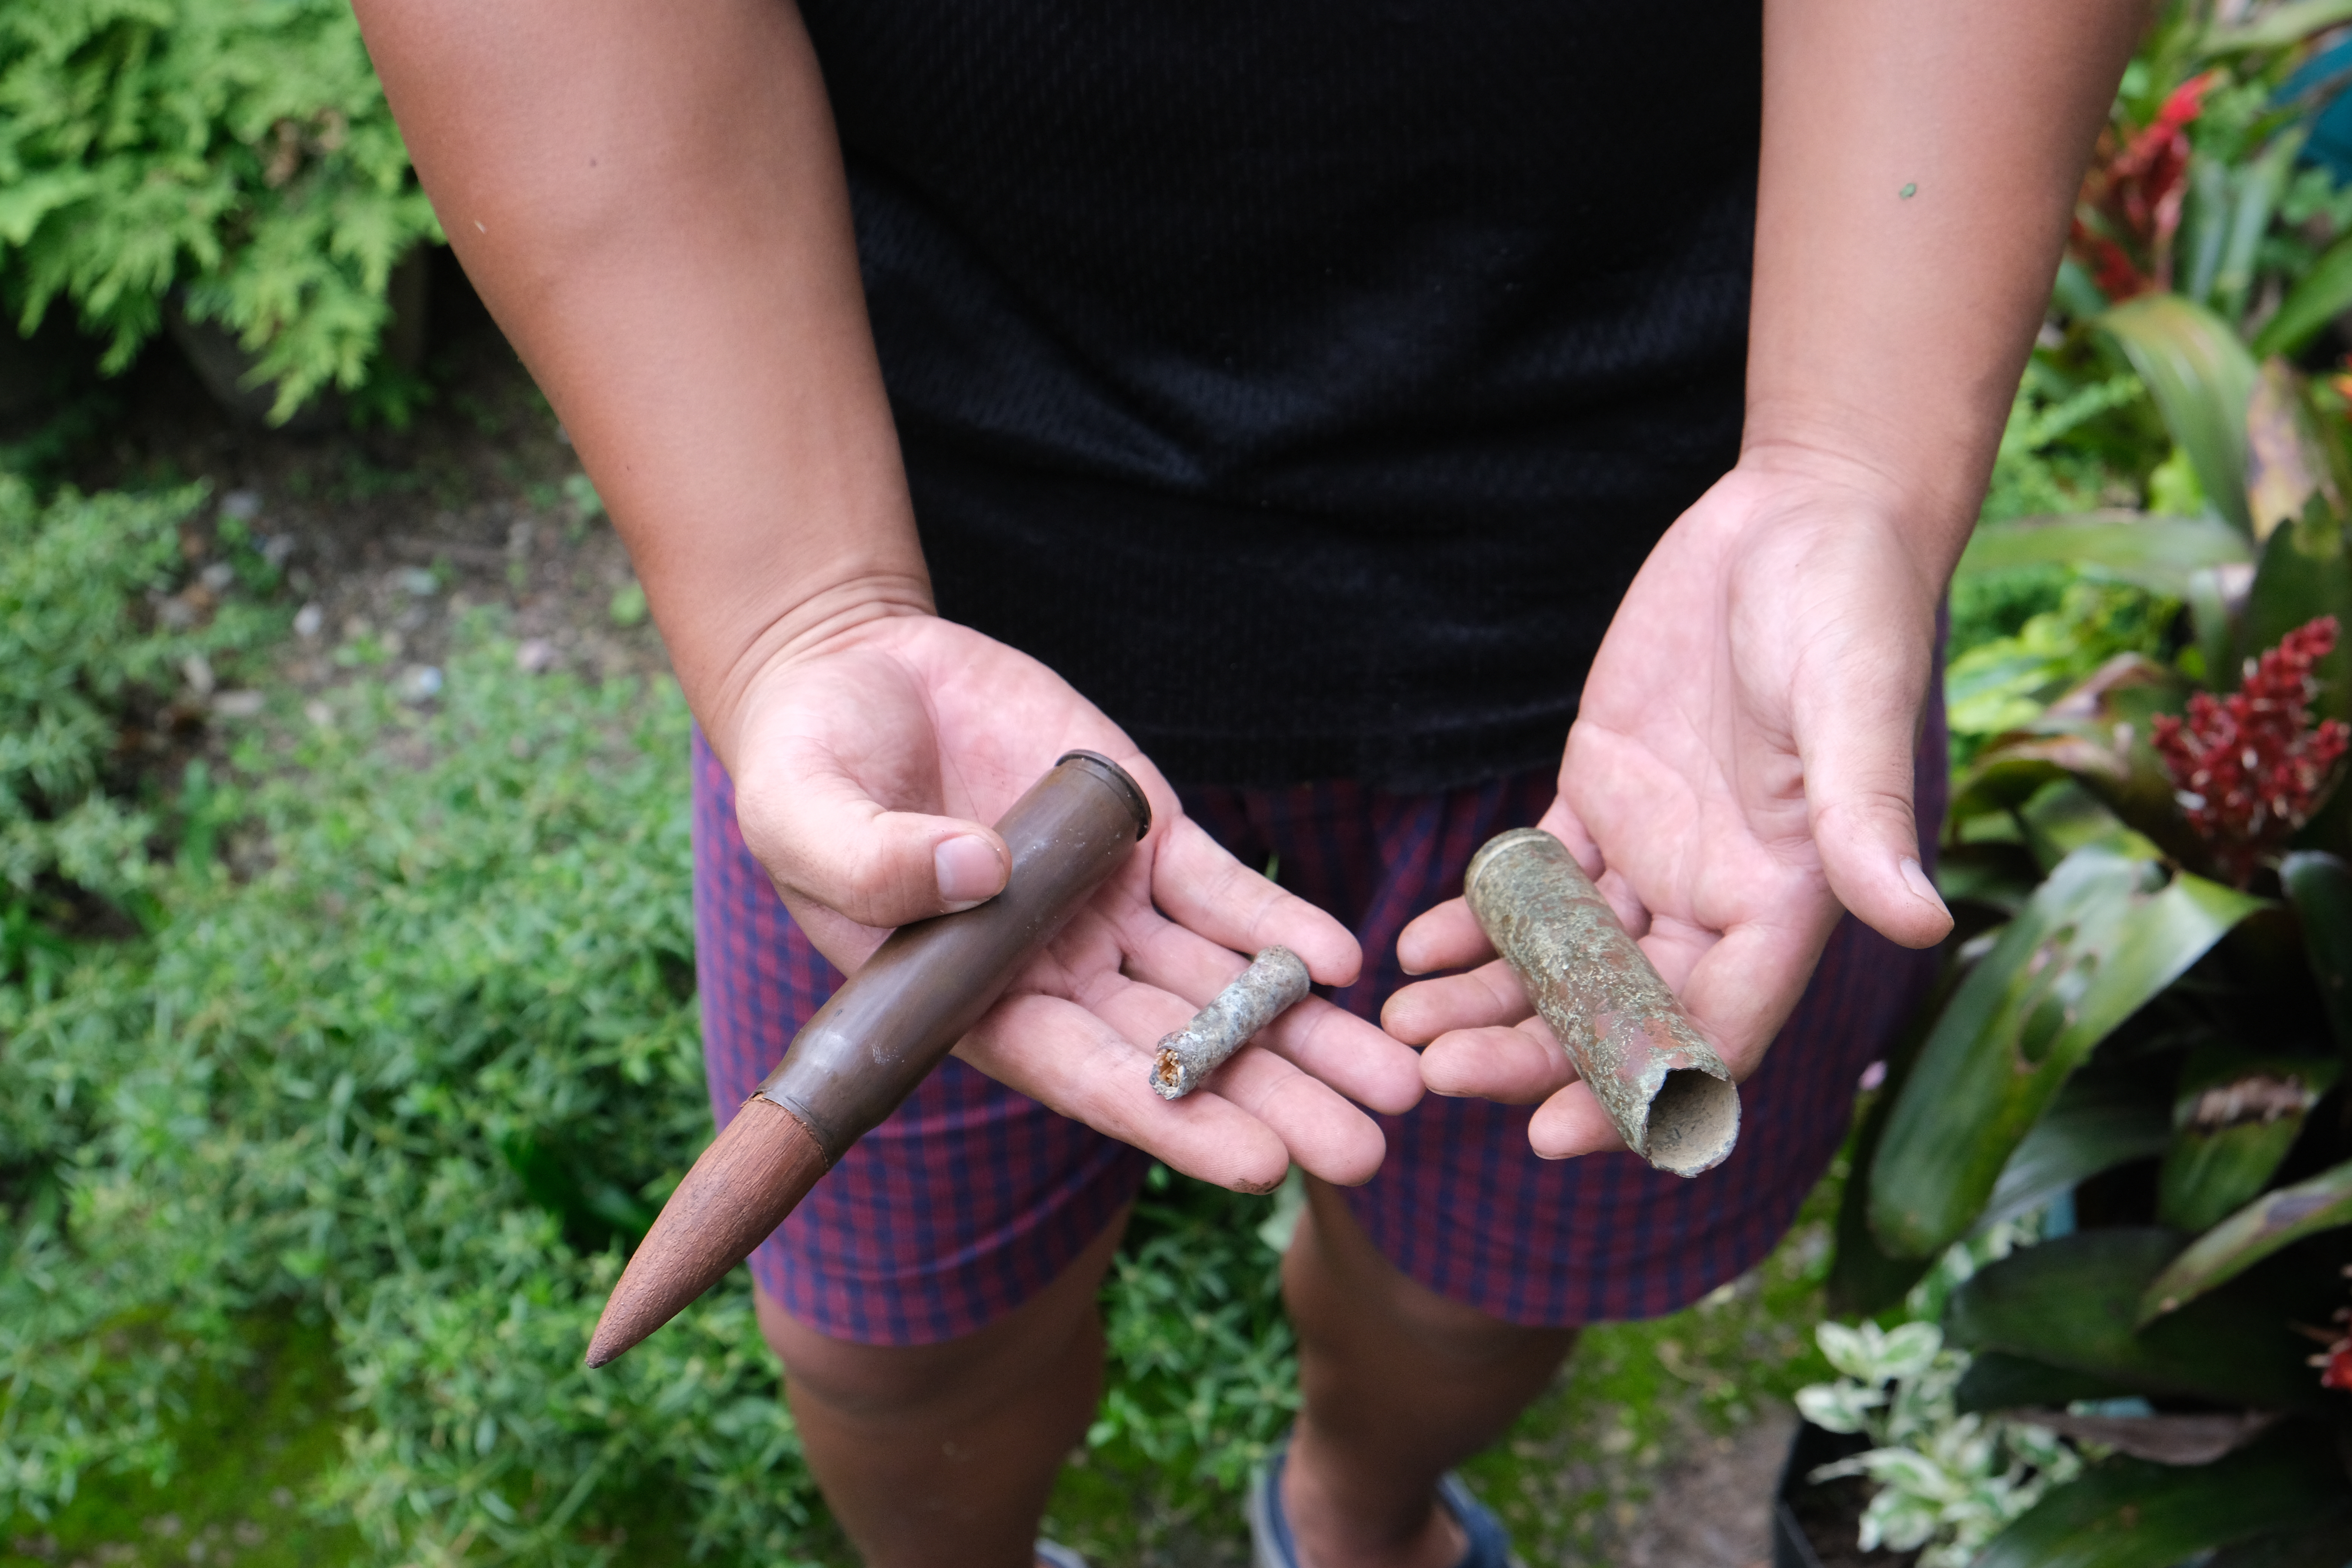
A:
(1945, 1482)
(2150, 1028)
(236, 153)
(99, 627)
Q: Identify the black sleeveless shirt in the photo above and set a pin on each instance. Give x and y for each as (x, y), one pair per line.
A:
(1304, 381)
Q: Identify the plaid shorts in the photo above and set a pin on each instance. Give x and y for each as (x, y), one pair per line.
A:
(971, 1197)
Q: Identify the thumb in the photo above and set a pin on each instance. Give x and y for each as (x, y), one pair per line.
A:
(822, 836)
(1858, 793)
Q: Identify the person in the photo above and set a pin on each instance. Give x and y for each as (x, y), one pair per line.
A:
(1391, 423)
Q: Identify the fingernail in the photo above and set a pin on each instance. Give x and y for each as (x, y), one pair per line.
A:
(970, 872)
(1915, 878)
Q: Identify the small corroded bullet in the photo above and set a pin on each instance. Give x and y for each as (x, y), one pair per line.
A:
(1274, 980)
(1668, 1093)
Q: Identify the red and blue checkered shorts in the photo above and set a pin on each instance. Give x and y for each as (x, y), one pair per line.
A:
(971, 1197)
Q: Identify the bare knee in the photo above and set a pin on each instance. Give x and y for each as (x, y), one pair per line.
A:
(951, 1380)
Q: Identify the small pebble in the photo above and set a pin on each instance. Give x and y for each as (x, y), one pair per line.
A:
(237, 704)
(418, 683)
(308, 621)
(217, 577)
(535, 656)
(276, 548)
(242, 505)
(418, 580)
(318, 713)
(199, 671)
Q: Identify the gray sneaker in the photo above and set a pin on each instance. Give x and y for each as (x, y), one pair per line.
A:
(1053, 1554)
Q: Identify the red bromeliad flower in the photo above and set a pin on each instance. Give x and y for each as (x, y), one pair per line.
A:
(2334, 1362)
(2249, 768)
(2334, 1365)
(2131, 197)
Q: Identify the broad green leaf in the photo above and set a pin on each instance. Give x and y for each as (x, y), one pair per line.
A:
(2102, 1118)
(2099, 940)
(2306, 572)
(1997, 1381)
(2201, 377)
(2238, 1112)
(2158, 553)
(2286, 463)
(2319, 885)
(2073, 1302)
(1863, 1280)
(2323, 292)
(2257, 188)
(2099, 734)
(2278, 28)
(2271, 1222)
(2065, 816)
(2129, 1513)
(2327, 1544)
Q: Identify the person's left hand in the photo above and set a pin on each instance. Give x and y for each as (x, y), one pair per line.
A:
(1740, 768)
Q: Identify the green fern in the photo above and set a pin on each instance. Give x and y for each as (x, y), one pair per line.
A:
(239, 151)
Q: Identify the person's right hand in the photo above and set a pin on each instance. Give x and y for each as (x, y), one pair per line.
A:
(867, 768)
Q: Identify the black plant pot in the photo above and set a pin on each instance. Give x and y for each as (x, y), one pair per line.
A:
(1814, 1526)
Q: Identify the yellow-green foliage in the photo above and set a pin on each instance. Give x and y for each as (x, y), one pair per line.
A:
(238, 149)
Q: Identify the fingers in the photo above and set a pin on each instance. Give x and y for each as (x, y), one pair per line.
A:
(1324, 1041)
(1203, 888)
(1512, 1066)
(824, 838)
(1869, 845)
(1857, 751)
(1571, 1123)
(1488, 995)
(1258, 1114)
(1447, 937)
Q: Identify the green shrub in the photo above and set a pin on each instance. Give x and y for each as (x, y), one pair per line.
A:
(238, 149)
(399, 1072)
(85, 640)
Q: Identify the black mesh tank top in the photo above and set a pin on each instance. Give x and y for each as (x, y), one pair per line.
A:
(1304, 380)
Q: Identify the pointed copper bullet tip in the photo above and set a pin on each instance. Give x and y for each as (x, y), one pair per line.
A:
(750, 1177)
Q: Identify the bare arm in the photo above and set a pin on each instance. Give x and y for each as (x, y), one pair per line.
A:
(1740, 769)
(651, 200)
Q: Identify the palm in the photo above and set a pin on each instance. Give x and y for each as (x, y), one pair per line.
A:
(1742, 752)
(843, 756)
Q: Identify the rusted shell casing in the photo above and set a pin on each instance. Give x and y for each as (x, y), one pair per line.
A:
(1274, 980)
(1668, 1093)
(887, 1027)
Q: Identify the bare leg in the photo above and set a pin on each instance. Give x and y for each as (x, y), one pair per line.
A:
(1401, 1385)
(946, 1453)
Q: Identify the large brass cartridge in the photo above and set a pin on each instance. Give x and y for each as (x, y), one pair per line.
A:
(880, 1035)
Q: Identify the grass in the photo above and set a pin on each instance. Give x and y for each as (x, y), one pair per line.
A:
(1571, 1479)
(251, 1442)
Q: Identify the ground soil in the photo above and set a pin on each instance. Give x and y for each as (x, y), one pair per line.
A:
(387, 537)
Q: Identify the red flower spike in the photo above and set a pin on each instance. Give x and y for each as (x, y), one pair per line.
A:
(2131, 198)
(2249, 769)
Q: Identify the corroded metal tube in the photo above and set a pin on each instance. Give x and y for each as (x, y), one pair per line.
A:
(1273, 982)
(1668, 1093)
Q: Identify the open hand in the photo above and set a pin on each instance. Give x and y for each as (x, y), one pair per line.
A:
(1740, 768)
(865, 772)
